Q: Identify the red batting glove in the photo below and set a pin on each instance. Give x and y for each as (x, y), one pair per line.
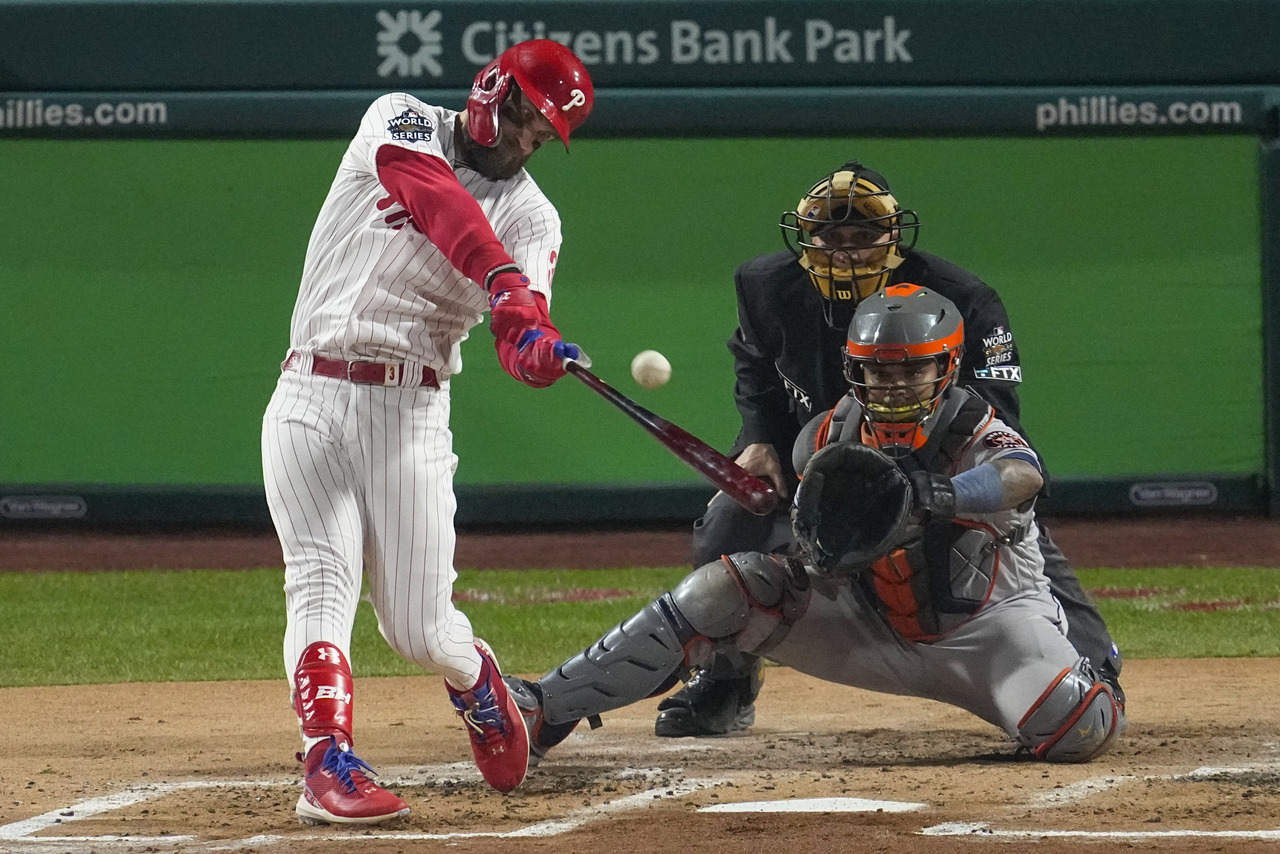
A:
(515, 308)
(542, 357)
(540, 362)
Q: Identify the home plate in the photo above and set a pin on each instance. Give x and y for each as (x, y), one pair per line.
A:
(816, 805)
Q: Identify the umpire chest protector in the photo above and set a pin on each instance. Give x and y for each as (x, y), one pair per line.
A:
(939, 578)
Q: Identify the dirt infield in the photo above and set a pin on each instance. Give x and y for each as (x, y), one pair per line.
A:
(208, 766)
(1087, 542)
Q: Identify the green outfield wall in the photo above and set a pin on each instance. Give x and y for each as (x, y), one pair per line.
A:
(148, 287)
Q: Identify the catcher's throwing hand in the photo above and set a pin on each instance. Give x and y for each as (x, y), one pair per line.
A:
(853, 506)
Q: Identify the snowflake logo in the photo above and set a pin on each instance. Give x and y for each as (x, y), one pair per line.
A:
(409, 44)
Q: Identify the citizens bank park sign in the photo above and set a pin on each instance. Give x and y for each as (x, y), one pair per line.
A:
(196, 45)
(411, 45)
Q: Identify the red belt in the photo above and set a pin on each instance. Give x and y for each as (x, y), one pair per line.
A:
(369, 373)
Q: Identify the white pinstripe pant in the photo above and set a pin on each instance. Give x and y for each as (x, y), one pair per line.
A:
(360, 477)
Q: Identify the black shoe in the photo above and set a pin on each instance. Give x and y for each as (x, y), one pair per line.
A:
(1108, 674)
(542, 735)
(1113, 682)
(710, 706)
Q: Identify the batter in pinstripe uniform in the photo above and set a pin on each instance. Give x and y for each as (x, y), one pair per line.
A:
(431, 221)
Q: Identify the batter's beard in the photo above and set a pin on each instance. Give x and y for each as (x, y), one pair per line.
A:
(499, 163)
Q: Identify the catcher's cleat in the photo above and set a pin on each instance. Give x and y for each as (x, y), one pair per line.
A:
(542, 735)
(495, 725)
(337, 789)
(1108, 675)
(708, 706)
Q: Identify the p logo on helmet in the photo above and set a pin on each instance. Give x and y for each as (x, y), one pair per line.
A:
(550, 76)
(849, 233)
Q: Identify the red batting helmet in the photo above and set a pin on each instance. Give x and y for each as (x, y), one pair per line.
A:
(551, 77)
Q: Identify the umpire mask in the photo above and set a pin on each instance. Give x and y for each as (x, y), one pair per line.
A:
(902, 353)
(849, 234)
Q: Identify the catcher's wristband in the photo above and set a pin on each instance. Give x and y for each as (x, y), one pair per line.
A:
(978, 490)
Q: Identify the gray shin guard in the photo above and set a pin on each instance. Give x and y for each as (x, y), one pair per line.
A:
(632, 660)
(1075, 720)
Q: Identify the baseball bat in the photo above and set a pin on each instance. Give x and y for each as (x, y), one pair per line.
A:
(736, 482)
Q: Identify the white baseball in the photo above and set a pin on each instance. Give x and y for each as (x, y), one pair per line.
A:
(650, 368)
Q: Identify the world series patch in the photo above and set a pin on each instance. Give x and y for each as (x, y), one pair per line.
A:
(1004, 439)
(998, 346)
(411, 126)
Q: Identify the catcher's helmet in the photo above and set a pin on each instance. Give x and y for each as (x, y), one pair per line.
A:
(849, 233)
(551, 77)
(902, 325)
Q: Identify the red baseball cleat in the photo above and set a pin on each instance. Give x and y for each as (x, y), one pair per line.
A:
(494, 723)
(337, 789)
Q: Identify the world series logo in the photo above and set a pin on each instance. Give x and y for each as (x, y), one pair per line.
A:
(411, 126)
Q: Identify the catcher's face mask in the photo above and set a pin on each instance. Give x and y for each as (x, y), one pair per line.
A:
(849, 234)
(903, 352)
(898, 392)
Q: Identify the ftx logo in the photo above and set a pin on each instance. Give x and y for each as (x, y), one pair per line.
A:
(409, 44)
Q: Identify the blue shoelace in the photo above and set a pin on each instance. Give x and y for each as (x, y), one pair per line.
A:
(484, 713)
(341, 763)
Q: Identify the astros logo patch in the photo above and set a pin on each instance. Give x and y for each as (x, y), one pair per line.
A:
(1003, 439)
(410, 126)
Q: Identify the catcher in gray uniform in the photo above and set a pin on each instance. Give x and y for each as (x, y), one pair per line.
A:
(921, 573)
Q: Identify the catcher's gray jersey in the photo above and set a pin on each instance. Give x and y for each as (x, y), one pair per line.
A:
(1013, 563)
(995, 661)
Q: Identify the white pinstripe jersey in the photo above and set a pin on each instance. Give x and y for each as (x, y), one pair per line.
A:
(373, 286)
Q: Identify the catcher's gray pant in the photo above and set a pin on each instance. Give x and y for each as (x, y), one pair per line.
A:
(996, 665)
(1010, 664)
(727, 527)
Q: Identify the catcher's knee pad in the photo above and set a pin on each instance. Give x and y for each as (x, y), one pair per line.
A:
(749, 598)
(631, 661)
(1074, 720)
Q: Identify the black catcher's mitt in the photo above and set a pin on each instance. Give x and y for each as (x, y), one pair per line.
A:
(852, 507)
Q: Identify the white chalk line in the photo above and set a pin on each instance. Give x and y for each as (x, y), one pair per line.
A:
(1085, 788)
(107, 803)
(964, 828)
(1078, 791)
(21, 831)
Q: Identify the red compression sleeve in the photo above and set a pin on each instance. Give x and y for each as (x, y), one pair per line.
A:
(445, 212)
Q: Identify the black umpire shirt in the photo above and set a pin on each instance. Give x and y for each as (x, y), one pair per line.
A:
(789, 361)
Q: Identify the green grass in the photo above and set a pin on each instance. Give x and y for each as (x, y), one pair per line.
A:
(148, 626)
(1158, 612)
